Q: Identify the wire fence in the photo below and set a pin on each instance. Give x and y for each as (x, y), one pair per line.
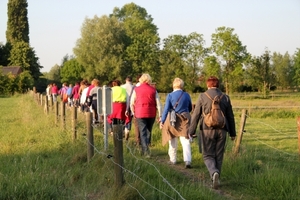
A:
(132, 174)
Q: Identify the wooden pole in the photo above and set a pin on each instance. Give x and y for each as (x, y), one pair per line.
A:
(41, 99)
(118, 154)
(63, 115)
(298, 125)
(51, 101)
(74, 120)
(37, 97)
(56, 112)
(240, 133)
(90, 136)
(46, 105)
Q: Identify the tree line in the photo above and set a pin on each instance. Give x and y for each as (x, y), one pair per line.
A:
(126, 42)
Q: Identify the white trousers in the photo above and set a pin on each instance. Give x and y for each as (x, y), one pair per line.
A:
(186, 149)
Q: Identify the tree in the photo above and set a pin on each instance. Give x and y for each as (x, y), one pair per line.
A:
(211, 67)
(259, 73)
(100, 48)
(231, 54)
(283, 68)
(71, 71)
(141, 42)
(24, 81)
(17, 24)
(23, 55)
(190, 55)
(4, 54)
(296, 68)
(171, 65)
(54, 74)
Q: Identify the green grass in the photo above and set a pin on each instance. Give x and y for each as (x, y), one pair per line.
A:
(40, 160)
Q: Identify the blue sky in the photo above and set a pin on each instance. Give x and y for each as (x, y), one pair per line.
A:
(55, 24)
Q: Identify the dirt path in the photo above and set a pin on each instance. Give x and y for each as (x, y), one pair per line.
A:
(195, 176)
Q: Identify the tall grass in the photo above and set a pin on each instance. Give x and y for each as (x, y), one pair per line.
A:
(39, 160)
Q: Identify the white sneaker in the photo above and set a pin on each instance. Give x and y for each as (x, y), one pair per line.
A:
(215, 180)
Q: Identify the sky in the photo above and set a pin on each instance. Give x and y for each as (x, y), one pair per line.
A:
(55, 25)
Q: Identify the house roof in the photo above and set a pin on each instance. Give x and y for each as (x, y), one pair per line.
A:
(14, 70)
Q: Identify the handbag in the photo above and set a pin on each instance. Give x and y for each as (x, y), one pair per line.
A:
(173, 113)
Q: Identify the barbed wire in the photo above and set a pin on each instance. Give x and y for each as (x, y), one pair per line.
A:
(132, 173)
(68, 129)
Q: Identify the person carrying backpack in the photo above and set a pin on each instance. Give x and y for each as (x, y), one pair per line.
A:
(214, 122)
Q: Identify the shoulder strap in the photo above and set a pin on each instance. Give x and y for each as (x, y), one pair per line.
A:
(221, 96)
(208, 95)
(178, 100)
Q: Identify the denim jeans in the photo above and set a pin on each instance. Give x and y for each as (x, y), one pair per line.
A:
(145, 128)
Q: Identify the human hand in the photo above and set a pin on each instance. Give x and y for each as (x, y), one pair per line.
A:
(159, 119)
(232, 138)
(161, 125)
(126, 113)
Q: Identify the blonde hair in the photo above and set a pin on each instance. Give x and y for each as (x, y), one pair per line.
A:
(178, 83)
(96, 82)
(145, 78)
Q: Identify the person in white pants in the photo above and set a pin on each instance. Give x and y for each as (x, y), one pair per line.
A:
(181, 103)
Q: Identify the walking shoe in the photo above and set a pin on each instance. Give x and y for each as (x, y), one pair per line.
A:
(215, 180)
(188, 165)
(171, 163)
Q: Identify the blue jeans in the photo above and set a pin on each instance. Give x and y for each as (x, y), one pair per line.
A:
(145, 127)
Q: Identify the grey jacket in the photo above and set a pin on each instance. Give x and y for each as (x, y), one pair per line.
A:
(204, 104)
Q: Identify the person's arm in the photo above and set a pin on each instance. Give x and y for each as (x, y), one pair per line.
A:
(158, 105)
(230, 118)
(196, 116)
(132, 101)
(166, 109)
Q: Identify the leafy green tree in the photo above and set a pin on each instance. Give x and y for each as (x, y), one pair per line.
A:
(23, 55)
(171, 65)
(100, 48)
(71, 71)
(190, 55)
(54, 74)
(259, 73)
(141, 41)
(194, 57)
(4, 54)
(296, 68)
(211, 67)
(24, 82)
(17, 35)
(282, 65)
(231, 54)
(17, 24)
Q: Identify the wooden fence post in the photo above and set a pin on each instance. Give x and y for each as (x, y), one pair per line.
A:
(37, 97)
(74, 121)
(240, 133)
(90, 136)
(298, 126)
(51, 101)
(63, 115)
(41, 99)
(56, 112)
(46, 105)
(118, 154)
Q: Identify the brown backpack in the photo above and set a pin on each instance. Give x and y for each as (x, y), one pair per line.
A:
(215, 118)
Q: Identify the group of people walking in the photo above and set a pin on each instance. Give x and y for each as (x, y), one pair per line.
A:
(145, 106)
(140, 104)
(211, 140)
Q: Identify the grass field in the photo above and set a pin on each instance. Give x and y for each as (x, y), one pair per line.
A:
(39, 160)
